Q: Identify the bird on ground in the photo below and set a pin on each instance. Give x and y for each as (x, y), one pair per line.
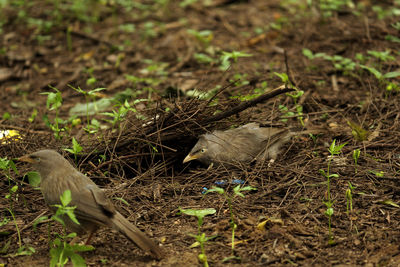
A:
(241, 145)
(93, 209)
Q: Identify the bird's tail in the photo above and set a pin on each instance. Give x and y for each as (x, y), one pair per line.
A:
(122, 225)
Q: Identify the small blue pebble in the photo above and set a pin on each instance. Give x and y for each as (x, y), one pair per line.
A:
(220, 182)
(237, 181)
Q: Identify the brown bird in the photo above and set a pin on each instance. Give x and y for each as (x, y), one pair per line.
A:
(93, 209)
(241, 145)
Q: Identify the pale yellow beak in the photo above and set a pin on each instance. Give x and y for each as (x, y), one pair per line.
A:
(190, 157)
(26, 158)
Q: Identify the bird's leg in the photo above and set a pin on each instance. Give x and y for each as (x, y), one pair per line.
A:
(91, 232)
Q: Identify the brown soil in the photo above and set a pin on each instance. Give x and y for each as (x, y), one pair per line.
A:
(155, 183)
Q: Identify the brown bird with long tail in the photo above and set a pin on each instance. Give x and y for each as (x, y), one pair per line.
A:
(93, 209)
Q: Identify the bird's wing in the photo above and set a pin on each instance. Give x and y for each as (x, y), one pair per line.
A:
(90, 201)
(101, 199)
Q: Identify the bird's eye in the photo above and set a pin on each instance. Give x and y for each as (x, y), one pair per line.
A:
(202, 150)
(37, 159)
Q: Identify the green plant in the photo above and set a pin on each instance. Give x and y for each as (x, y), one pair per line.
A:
(6, 165)
(333, 150)
(89, 95)
(381, 55)
(349, 198)
(154, 68)
(356, 156)
(185, 3)
(54, 102)
(200, 237)
(119, 115)
(379, 174)
(227, 58)
(237, 191)
(348, 66)
(328, 7)
(61, 250)
(76, 148)
(294, 95)
(286, 113)
(91, 80)
(204, 37)
(256, 92)
(383, 13)
(149, 30)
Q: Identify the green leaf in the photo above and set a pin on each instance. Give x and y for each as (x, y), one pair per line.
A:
(33, 115)
(198, 213)
(334, 149)
(378, 173)
(82, 248)
(25, 251)
(6, 116)
(392, 38)
(70, 235)
(11, 165)
(75, 146)
(374, 71)
(219, 190)
(392, 74)
(356, 154)
(77, 260)
(390, 203)
(122, 200)
(13, 189)
(283, 76)
(308, 53)
(248, 188)
(72, 216)
(66, 198)
(33, 178)
(55, 254)
(329, 212)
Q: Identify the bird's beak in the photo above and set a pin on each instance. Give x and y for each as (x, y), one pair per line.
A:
(26, 158)
(190, 157)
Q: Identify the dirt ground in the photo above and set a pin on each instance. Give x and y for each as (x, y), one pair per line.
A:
(149, 49)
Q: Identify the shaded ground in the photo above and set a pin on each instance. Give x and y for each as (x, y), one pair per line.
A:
(160, 62)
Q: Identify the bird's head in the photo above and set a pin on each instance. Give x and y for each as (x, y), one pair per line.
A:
(45, 161)
(199, 151)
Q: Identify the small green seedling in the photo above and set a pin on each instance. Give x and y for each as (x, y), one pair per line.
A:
(233, 56)
(89, 95)
(204, 37)
(294, 95)
(333, 150)
(33, 115)
(200, 237)
(119, 115)
(237, 191)
(54, 102)
(356, 156)
(378, 174)
(349, 198)
(76, 148)
(62, 251)
(12, 196)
